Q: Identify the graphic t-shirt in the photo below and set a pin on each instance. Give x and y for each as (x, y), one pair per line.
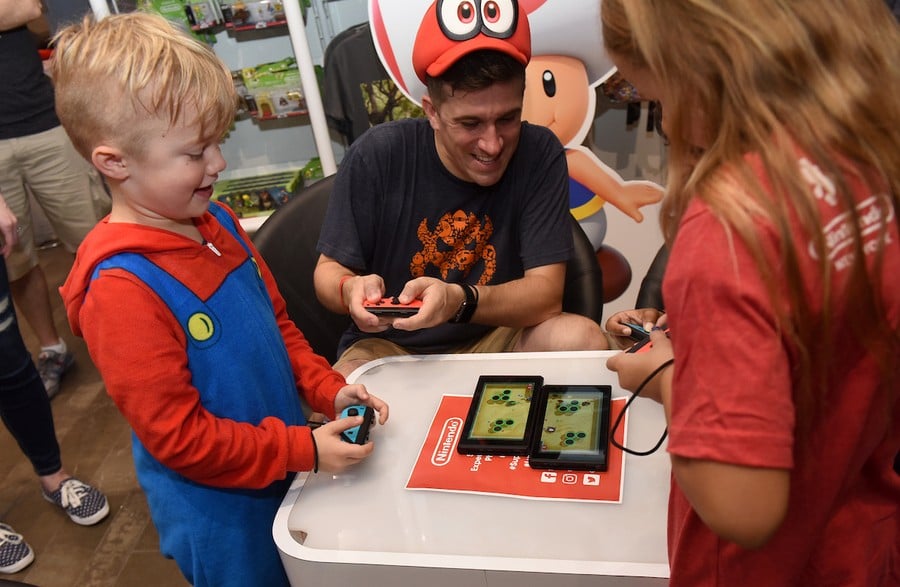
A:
(397, 212)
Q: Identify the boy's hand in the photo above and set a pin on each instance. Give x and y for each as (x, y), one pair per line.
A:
(355, 394)
(334, 454)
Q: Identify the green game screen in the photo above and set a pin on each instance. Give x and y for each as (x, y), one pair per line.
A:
(503, 411)
(572, 423)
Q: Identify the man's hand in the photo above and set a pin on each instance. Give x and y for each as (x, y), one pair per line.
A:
(9, 228)
(15, 13)
(440, 302)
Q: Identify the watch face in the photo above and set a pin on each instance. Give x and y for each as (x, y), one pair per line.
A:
(467, 308)
(461, 312)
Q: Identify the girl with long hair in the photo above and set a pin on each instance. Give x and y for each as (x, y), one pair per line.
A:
(782, 290)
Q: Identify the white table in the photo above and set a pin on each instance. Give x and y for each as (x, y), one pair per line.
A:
(364, 527)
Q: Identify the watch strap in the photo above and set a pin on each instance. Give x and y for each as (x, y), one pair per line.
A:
(467, 308)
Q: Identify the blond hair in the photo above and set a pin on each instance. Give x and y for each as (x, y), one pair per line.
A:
(771, 78)
(114, 73)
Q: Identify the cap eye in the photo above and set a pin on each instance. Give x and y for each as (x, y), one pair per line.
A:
(459, 19)
(499, 18)
(549, 83)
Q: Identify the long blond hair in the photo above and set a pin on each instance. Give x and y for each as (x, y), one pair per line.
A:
(112, 74)
(774, 77)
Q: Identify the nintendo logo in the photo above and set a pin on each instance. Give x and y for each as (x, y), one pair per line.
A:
(444, 449)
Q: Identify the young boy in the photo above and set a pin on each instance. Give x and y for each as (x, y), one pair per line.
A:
(181, 316)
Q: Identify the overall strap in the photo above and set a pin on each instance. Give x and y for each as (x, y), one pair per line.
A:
(227, 221)
(195, 316)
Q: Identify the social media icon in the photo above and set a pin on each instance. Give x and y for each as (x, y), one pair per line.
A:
(548, 477)
(570, 479)
(591, 479)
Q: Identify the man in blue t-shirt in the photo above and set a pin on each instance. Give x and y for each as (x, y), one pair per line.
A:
(465, 211)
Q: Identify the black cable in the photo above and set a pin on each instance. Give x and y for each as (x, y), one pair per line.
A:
(637, 392)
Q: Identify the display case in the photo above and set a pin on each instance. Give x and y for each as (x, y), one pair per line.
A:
(286, 130)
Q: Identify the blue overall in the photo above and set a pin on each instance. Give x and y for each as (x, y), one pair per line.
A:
(239, 364)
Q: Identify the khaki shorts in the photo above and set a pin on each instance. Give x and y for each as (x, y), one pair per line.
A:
(68, 189)
(498, 340)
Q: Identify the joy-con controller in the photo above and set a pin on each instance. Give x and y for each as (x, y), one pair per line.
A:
(643, 345)
(638, 332)
(358, 434)
(392, 308)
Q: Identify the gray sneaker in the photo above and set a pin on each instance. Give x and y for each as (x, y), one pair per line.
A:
(84, 504)
(52, 365)
(15, 554)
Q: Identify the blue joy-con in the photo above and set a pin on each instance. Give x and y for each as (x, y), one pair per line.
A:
(358, 434)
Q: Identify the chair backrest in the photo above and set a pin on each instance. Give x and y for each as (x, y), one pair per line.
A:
(650, 292)
(287, 242)
(583, 293)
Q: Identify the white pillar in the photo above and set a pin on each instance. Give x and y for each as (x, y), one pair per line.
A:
(297, 29)
(100, 8)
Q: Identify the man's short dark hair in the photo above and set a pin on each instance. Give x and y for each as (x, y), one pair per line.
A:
(476, 71)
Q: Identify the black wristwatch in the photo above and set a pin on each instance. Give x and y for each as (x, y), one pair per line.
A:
(467, 308)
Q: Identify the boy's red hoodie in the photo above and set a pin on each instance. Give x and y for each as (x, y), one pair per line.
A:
(139, 349)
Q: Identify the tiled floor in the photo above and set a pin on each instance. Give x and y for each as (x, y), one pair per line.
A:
(122, 550)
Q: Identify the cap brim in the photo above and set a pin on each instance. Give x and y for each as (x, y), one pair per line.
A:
(480, 43)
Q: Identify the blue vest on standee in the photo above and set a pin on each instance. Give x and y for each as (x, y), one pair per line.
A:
(240, 366)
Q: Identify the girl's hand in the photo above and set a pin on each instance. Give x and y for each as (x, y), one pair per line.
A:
(634, 368)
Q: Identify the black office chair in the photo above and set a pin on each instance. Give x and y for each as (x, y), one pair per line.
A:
(650, 292)
(583, 292)
(287, 243)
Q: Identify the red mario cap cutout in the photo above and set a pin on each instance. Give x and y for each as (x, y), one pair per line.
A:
(451, 29)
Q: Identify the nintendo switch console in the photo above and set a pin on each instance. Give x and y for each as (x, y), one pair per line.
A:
(500, 419)
(574, 428)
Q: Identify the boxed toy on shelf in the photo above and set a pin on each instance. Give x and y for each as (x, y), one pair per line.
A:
(253, 15)
(179, 12)
(258, 195)
(273, 90)
(204, 14)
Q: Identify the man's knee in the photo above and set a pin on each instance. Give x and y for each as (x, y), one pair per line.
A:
(565, 332)
(364, 351)
(345, 368)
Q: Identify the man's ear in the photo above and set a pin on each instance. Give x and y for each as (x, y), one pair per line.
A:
(110, 161)
(430, 111)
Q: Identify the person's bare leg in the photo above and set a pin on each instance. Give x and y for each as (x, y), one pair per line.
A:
(566, 332)
(345, 368)
(51, 483)
(32, 297)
